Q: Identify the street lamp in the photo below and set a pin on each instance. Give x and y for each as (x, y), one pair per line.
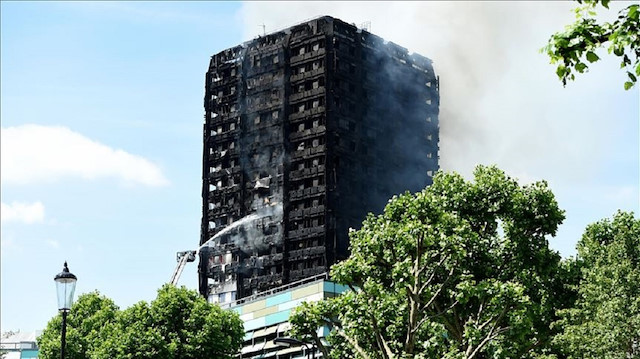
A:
(65, 286)
(288, 342)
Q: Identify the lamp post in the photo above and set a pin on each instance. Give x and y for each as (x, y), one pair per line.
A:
(288, 342)
(65, 287)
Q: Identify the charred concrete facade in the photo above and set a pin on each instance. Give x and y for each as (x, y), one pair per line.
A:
(306, 131)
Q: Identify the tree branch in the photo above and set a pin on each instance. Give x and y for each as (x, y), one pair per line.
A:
(354, 343)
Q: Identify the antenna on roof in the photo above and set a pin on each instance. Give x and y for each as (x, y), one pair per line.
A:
(264, 29)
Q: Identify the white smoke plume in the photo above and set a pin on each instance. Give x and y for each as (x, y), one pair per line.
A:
(501, 102)
(500, 99)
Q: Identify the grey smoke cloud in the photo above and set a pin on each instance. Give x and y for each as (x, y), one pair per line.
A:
(500, 100)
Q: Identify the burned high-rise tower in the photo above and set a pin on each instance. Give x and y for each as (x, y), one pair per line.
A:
(306, 131)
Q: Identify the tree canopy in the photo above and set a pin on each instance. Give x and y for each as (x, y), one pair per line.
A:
(604, 323)
(461, 269)
(90, 313)
(179, 323)
(575, 47)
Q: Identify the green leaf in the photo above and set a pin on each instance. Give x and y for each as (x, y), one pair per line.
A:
(633, 12)
(638, 69)
(632, 76)
(468, 269)
(592, 57)
(603, 319)
(628, 85)
(580, 67)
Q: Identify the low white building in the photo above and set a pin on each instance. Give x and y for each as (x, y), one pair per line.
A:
(20, 345)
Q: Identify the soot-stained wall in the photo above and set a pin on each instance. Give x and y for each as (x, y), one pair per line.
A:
(306, 131)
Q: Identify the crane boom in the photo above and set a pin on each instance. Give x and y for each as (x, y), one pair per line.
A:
(183, 258)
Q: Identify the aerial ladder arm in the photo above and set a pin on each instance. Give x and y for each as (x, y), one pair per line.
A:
(183, 258)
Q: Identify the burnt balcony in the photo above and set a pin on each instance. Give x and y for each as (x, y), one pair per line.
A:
(298, 274)
(224, 172)
(303, 135)
(306, 212)
(306, 94)
(307, 113)
(308, 152)
(216, 212)
(306, 173)
(263, 281)
(303, 233)
(307, 192)
(230, 152)
(307, 56)
(306, 253)
(306, 75)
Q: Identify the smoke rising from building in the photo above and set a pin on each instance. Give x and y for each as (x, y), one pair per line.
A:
(478, 48)
(501, 100)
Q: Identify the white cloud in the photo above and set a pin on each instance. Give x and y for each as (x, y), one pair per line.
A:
(22, 212)
(35, 153)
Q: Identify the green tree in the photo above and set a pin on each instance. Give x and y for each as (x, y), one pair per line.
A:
(459, 270)
(177, 324)
(572, 49)
(605, 321)
(88, 316)
(133, 335)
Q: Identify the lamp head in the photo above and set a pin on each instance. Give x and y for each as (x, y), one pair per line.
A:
(65, 288)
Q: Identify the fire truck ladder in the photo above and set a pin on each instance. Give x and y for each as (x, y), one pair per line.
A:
(183, 258)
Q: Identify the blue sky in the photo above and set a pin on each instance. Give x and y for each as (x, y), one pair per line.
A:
(129, 76)
(102, 110)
